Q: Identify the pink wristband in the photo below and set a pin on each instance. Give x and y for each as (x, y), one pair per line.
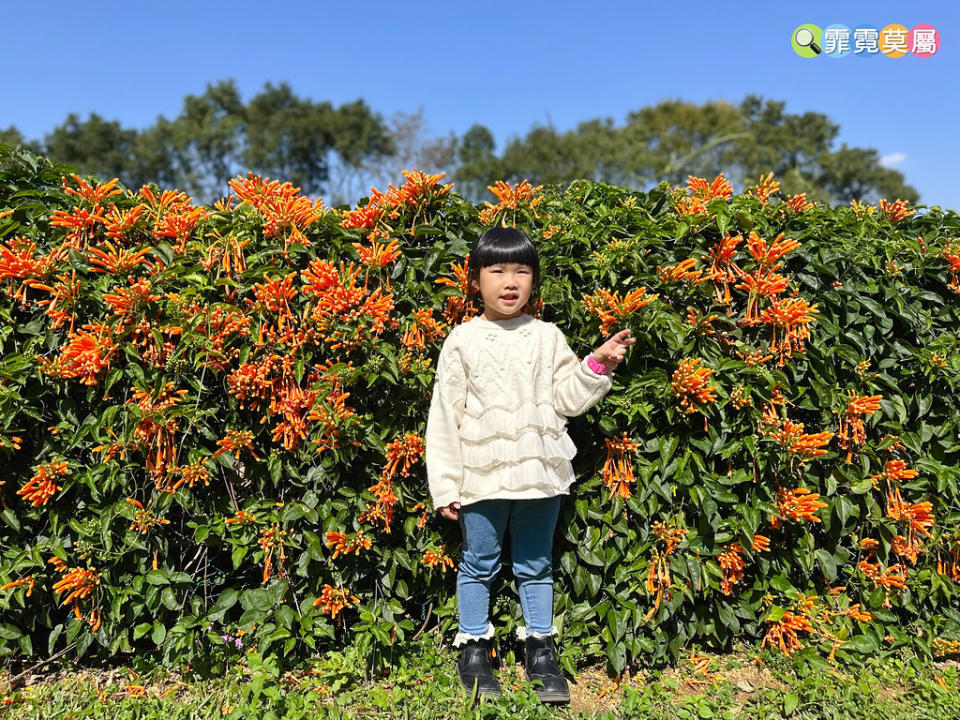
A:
(598, 368)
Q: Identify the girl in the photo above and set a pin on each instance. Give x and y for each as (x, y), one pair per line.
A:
(497, 452)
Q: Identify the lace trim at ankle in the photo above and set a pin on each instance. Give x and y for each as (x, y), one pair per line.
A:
(522, 633)
(462, 637)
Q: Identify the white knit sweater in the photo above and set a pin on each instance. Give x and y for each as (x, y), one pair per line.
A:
(497, 421)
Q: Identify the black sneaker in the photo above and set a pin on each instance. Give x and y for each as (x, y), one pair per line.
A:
(473, 667)
(540, 663)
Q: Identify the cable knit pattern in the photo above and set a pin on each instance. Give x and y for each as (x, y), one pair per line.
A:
(497, 424)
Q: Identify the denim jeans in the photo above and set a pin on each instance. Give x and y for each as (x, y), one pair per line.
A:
(482, 524)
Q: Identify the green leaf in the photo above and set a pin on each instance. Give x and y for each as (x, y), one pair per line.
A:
(790, 702)
(159, 633)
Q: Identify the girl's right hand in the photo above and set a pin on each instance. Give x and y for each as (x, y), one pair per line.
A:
(451, 511)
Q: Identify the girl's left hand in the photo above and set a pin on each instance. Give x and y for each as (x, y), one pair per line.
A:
(612, 351)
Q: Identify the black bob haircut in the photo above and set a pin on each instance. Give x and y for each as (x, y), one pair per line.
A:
(503, 245)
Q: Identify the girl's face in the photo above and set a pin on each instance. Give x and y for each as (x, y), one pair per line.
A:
(505, 289)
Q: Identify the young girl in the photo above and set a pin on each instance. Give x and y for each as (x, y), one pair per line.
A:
(497, 452)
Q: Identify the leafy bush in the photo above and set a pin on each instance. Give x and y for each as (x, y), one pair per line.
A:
(212, 417)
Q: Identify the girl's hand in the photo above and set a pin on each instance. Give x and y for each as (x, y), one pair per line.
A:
(451, 511)
(612, 351)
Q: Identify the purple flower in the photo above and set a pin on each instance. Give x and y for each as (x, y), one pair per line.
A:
(210, 626)
(226, 638)
(238, 642)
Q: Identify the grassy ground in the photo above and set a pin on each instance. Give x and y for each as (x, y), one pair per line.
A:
(423, 685)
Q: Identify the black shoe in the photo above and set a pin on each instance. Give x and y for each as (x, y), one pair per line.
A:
(473, 667)
(540, 662)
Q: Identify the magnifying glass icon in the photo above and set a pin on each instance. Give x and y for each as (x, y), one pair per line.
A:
(804, 38)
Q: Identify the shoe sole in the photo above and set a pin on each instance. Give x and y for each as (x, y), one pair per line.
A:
(549, 697)
(480, 693)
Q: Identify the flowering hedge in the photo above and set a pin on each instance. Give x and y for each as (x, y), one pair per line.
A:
(212, 418)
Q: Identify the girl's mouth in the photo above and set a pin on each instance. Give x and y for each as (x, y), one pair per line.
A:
(509, 299)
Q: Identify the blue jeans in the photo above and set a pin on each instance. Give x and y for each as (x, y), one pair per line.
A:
(482, 524)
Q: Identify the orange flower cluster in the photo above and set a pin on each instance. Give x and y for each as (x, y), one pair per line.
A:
(341, 303)
(732, 564)
(65, 293)
(950, 252)
(796, 504)
(333, 601)
(377, 257)
(272, 538)
(29, 581)
(684, 272)
(510, 198)
(220, 325)
(766, 255)
(154, 433)
(420, 191)
(791, 437)
(19, 261)
(895, 211)
(241, 517)
(340, 544)
(892, 577)
(458, 309)
(144, 519)
(919, 518)
(423, 330)
(798, 203)
(271, 382)
(86, 354)
(41, 487)
(700, 193)
(432, 559)
(172, 215)
(617, 468)
(235, 441)
(80, 583)
(81, 222)
(723, 270)
(793, 316)
(612, 310)
(127, 300)
(765, 189)
(701, 323)
(227, 252)
(894, 470)
(331, 413)
(761, 543)
(689, 384)
(408, 450)
(382, 510)
(189, 474)
(754, 357)
(670, 535)
(852, 431)
(954, 556)
(118, 261)
(783, 632)
(658, 574)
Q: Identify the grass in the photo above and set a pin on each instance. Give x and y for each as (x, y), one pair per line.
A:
(422, 685)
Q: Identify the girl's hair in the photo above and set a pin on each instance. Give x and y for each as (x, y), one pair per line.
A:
(503, 245)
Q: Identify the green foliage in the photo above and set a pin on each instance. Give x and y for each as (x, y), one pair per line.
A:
(251, 359)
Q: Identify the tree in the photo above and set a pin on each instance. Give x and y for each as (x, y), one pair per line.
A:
(675, 139)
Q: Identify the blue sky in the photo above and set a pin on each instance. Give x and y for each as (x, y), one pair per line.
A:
(507, 65)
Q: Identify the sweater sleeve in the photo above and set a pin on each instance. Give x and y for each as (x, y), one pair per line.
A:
(576, 388)
(442, 442)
